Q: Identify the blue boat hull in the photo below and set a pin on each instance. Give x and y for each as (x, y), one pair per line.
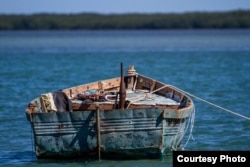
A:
(128, 133)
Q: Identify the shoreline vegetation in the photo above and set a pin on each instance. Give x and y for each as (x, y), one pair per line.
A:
(239, 19)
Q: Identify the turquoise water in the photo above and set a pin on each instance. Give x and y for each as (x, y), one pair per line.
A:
(211, 64)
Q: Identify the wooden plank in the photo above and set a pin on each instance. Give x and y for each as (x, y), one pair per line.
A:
(91, 106)
(113, 83)
(44, 108)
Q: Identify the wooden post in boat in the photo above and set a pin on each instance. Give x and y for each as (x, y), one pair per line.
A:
(98, 132)
(122, 91)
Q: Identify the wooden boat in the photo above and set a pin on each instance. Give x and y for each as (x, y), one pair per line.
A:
(130, 116)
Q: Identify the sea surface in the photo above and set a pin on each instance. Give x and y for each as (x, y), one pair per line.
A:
(213, 65)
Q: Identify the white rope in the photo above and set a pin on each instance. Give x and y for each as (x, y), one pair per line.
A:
(145, 95)
(242, 116)
(191, 121)
(189, 124)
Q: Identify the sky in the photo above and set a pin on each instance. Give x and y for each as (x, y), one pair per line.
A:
(119, 6)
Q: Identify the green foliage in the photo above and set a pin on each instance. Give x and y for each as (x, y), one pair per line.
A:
(197, 20)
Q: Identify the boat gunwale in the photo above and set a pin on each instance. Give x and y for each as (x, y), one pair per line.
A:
(115, 86)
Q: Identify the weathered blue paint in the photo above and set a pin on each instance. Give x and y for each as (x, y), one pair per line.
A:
(123, 133)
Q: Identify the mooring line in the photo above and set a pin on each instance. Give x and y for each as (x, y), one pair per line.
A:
(222, 108)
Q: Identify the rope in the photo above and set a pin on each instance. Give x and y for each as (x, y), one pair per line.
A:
(212, 104)
(145, 95)
(191, 121)
(159, 89)
(222, 108)
(189, 124)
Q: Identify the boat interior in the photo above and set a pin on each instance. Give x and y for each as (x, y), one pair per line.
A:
(131, 91)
